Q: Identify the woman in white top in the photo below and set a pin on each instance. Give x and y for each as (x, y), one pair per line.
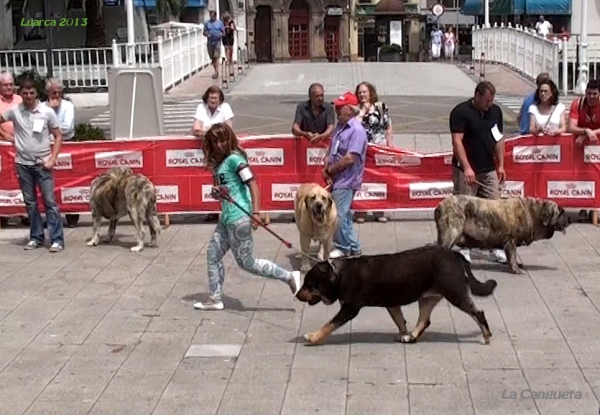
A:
(547, 115)
(449, 44)
(212, 110)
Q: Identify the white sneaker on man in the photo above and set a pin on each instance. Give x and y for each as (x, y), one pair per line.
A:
(336, 253)
(210, 305)
(498, 255)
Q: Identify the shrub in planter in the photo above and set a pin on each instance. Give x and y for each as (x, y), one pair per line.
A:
(87, 132)
(390, 53)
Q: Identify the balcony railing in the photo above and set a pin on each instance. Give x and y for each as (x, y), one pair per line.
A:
(524, 51)
(179, 49)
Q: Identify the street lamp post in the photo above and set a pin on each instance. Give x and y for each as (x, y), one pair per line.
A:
(486, 12)
(130, 33)
(582, 77)
(49, 49)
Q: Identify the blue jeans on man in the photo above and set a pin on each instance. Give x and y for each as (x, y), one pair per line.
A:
(31, 177)
(345, 238)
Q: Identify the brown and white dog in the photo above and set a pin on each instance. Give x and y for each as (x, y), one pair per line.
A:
(473, 222)
(119, 192)
(316, 218)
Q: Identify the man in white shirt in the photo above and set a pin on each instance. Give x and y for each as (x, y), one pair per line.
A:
(64, 109)
(543, 27)
(212, 110)
(437, 37)
(65, 112)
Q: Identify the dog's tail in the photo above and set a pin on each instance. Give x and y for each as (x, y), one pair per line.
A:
(478, 288)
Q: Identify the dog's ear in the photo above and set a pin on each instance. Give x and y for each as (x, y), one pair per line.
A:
(550, 212)
(329, 201)
(334, 269)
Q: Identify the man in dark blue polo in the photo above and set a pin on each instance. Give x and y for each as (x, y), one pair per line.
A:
(314, 118)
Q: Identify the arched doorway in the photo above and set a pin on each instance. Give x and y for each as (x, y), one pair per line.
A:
(224, 6)
(332, 33)
(262, 34)
(298, 24)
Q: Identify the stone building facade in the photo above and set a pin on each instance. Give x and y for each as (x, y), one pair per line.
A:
(299, 30)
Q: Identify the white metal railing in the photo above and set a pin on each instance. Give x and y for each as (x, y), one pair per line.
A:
(524, 51)
(179, 49)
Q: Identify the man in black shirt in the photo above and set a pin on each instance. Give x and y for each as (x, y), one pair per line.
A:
(478, 145)
(314, 119)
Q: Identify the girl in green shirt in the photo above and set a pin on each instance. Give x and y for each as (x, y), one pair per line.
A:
(229, 162)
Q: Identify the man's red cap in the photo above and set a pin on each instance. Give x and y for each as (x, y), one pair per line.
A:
(347, 99)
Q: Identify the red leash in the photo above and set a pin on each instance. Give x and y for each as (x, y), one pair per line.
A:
(222, 192)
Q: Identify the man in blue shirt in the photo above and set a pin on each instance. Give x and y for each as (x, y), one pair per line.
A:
(214, 30)
(523, 117)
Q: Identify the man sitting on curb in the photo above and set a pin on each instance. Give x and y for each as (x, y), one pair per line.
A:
(344, 170)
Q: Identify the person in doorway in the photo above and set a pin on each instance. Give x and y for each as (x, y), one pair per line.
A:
(437, 37)
(8, 99)
(546, 114)
(343, 171)
(477, 128)
(229, 40)
(375, 119)
(584, 117)
(35, 157)
(523, 116)
(214, 30)
(315, 118)
(65, 112)
(449, 44)
(229, 162)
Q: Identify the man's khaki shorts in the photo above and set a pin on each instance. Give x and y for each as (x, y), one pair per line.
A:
(214, 51)
(489, 180)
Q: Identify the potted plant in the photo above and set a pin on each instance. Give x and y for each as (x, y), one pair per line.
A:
(390, 53)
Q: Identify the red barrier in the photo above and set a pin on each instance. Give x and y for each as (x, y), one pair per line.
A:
(395, 179)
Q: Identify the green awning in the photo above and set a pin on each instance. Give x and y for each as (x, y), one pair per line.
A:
(365, 10)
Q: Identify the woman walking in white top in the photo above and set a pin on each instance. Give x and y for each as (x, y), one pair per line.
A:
(449, 44)
(547, 115)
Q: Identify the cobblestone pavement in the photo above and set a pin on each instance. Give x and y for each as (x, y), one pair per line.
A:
(103, 331)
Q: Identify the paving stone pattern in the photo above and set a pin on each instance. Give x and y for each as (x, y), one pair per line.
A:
(103, 331)
(407, 79)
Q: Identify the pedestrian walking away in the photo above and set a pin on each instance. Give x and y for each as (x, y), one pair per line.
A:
(231, 170)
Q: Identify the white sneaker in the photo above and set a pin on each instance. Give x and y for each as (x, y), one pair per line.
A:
(498, 255)
(209, 305)
(466, 253)
(336, 253)
(296, 279)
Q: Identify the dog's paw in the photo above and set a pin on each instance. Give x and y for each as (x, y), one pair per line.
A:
(407, 338)
(320, 256)
(137, 248)
(484, 341)
(93, 242)
(311, 339)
